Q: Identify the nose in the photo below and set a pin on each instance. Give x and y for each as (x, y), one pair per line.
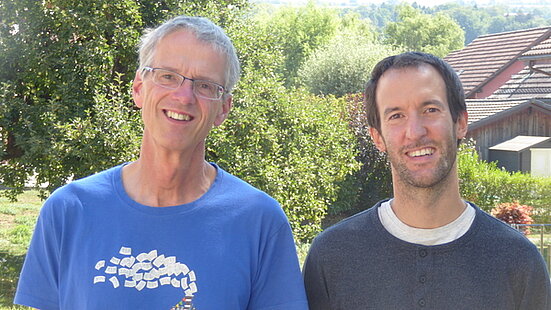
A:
(416, 128)
(184, 93)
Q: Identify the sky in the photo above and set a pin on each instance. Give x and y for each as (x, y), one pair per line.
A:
(420, 2)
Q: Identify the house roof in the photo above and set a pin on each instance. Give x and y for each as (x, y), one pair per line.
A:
(484, 111)
(543, 49)
(519, 143)
(527, 83)
(488, 55)
(479, 109)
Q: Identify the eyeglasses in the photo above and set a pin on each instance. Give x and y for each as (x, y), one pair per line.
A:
(173, 80)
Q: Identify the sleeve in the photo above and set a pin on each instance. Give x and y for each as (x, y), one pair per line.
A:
(38, 282)
(314, 280)
(278, 283)
(537, 285)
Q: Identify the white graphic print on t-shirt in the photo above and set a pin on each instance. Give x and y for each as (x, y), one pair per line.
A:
(146, 270)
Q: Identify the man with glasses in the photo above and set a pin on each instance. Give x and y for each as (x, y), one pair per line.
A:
(169, 230)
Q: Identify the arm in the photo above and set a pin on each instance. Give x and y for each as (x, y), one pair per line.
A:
(537, 285)
(278, 283)
(315, 281)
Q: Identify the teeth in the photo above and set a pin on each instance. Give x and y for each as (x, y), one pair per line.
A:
(178, 116)
(422, 152)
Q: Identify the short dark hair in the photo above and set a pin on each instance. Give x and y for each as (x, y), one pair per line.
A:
(454, 89)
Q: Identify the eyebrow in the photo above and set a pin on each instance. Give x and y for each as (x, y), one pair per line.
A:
(426, 103)
(199, 78)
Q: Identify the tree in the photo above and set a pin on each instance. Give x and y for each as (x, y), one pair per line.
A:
(297, 32)
(379, 15)
(473, 20)
(342, 66)
(58, 55)
(435, 34)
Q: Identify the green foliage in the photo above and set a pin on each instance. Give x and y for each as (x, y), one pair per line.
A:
(435, 34)
(296, 32)
(342, 66)
(477, 21)
(58, 56)
(379, 15)
(506, 19)
(292, 145)
(65, 106)
(473, 20)
(487, 186)
(373, 181)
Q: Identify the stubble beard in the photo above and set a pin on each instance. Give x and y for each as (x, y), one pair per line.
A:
(402, 174)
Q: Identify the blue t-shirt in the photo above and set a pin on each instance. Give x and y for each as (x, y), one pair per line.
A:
(95, 248)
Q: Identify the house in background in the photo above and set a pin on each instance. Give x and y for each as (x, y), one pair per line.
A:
(490, 60)
(507, 82)
(493, 121)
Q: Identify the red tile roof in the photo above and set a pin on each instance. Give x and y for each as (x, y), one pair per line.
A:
(526, 84)
(479, 109)
(542, 49)
(488, 55)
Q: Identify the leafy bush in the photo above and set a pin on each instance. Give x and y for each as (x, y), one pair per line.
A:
(373, 181)
(343, 65)
(514, 213)
(297, 32)
(436, 34)
(487, 186)
(293, 145)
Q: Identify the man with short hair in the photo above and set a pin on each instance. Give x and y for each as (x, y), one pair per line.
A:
(169, 230)
(426, 248)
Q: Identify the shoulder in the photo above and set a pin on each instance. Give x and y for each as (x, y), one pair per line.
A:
(497, 234)
(237, 189)
(95, 186)
(356, 230)
(245, 200)
(90, 183)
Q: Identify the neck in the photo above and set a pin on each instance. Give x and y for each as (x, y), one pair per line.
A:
(164, 178)
(430, 207)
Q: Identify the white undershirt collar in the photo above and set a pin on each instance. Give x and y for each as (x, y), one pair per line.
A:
(434, 236)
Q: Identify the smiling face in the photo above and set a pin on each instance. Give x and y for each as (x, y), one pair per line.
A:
(417, 130)
(177, 119)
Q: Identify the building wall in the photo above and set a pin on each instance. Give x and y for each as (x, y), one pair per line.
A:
(500, 79)
(505, 159)
(529, 122)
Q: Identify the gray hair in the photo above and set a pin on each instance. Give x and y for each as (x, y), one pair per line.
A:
(205, 31)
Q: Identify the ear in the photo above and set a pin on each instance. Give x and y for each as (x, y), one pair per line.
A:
(462, 125)
(227, 103)
(137, 85)
(377, 139)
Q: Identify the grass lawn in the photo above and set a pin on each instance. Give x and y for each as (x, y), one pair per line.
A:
(17, 220)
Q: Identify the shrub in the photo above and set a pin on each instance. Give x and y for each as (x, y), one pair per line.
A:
(291, 144)
(343, 66)
(487, 185)
(373, 181)
(514, 213)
